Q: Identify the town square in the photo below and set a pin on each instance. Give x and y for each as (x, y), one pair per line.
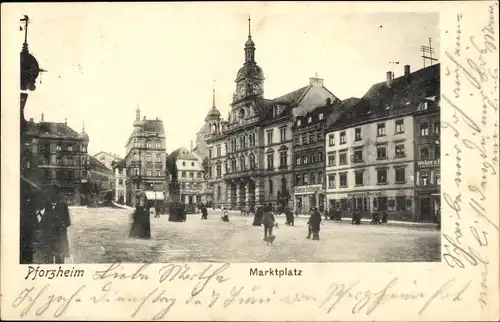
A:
(318, 169)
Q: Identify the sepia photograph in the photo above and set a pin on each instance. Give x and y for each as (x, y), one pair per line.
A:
(340, 166)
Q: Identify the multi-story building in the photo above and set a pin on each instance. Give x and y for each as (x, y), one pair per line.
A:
(107, 158)
(145, 161)
(190, 176)
(427, 160)
(101, 181)
(370, 148)
(309, 160)
(120, 187)
(244, 160)
(56, 156)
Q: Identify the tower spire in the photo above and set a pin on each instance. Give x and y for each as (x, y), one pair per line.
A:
(83, 126)
(138, 113)
(249, 26)
(213, 94)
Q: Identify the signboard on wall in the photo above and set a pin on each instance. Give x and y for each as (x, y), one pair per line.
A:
(364, 194)
(422, 164)
(308, 189)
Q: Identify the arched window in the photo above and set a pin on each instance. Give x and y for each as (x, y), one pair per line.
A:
(251, 161)
(233, 165)
(218, 193)
(136, 157)
(271, 188)
(242, 163)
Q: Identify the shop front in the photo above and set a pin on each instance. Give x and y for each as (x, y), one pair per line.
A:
(307, 197)
(427, 190)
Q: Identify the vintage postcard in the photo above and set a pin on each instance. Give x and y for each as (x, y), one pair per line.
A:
(282, 161)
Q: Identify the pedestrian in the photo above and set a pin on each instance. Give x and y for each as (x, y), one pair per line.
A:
(384, 217)
(290, 220)
(268, 221)
(257, 218)
(375, 217)
(356, 217)
(204, 212)
(53, 244)
(309, 228)
(315, 223)
(141, 222)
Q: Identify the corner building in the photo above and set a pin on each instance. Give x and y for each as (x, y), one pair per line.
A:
(250, 154)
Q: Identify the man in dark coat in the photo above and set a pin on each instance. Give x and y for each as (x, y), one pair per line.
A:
(315, 222)
(268, 221)
(54, 245)
(204, 212)
(29, 227)
(290, 220)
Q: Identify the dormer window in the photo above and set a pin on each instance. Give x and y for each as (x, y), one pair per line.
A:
(298, 122)
(321, 116)
(276, 110)
(309, 120)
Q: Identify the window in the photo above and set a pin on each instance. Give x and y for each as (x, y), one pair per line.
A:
(381, 129)
(242, 163)
(320, 136)
(400, 203)
(305, 159)
(149, 158)
(192, 164)
(358, 178)
(400, 126)
(148, 144)
(438, 177)
(297, 140)
(183, 174)
(304, 139)
(269, 137)
(158, 159)
(283, 157)
(424, 178)
(320, 116)
(251, 161)
(271, 188)
(313, 157)
(437, 151)
(198, 175)
(358, 155)
(331, 140)
(120, 181)
(305, 179)
(297, 179)
(343, 180)
(312, 137)
(437, 128)
(58, 147)
(331, 181)
(382, 176)
(381, 152)
(218, 170)
(191, 174)
(297, 160)
(424, 129)
(276, 110)
(148, 173)
(209, 153)
(70, 147)
(136, 171)
(183, 163)
(320, 156)
(400, 175)
(342, 137)
(158, 144)
(270, 162)
(399, 150)
(299, 122)
(233, 165)
(313, 178)
(218, 151)
(320, 177)
(309, 120)
(283, 134)
(342, 158)
(331, 159)
(158, 173)
(424, 153)
(357, 134)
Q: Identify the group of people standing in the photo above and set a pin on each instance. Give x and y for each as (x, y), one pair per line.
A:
(44, 229)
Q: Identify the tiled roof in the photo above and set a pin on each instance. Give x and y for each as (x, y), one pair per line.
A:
(153, 126)
(293, 97)
(96, 164)
(403, 96)
(53, 129)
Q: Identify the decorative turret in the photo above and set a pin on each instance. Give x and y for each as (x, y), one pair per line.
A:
(83, 135)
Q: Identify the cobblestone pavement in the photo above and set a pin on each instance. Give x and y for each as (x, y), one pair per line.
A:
(101, 236)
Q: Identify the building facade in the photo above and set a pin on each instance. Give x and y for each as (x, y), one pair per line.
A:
(370, 150)
(428, 160)
(54, 155)
(309, 159)
(101, 181)
(120, 187)
(190, 175)
(250, 154)
(145, 161)
(107, 158)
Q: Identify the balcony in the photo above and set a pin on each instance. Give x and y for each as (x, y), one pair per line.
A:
(239, 174)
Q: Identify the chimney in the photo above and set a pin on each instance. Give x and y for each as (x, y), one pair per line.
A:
(328, 101)
(65, 121)
(389, 79)
(407, 71)
(41, 118)
(315, 81)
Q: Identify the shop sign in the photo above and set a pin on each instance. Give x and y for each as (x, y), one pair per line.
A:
(308, 189)
(422, 164)
(364, 194)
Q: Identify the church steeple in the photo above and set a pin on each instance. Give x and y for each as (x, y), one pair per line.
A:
(249, 45)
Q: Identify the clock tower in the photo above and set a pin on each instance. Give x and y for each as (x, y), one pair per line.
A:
(250, 78)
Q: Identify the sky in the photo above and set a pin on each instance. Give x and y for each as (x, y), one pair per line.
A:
(105, 60)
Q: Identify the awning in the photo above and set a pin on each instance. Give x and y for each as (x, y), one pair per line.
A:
(154, 195)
